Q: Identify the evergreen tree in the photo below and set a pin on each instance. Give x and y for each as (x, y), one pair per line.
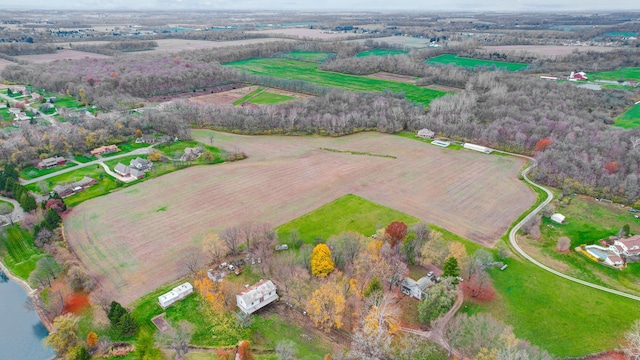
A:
(115, 312)
(51, 219)
(127, 325)
(451, 268)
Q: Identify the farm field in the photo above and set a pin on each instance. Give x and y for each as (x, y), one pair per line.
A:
(4, 63)
(393, 77)
(61, 55)
(238, 96)
(175, 45)
(473, 63)
(470, 194)
(312, 56)
(381, 52)
(547, 50)
(629, 119)
(403, 41)
(627, 73)
(298, 70)
(268, 98)
(304, 33)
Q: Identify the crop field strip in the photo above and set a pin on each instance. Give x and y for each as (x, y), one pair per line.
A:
(473, 63)
(285, 177)
(381, 52)
(298, 70)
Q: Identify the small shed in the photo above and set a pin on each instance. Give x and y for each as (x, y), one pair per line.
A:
(426, 134)
(559, 218)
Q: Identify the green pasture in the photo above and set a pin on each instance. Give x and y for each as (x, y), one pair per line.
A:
(347, 213)
(248, 96)
(267, 98)
(475, 63)
(272, 329)
(381, 52)
(311, 56)
(620, 34)
(625, 73)
(18, 252)
(32, 172)
(84, 159)
(629, 119)
(304, 71)
(5, 116)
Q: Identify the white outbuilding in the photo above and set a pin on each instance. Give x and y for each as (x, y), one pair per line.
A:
(178, 293)
(257, 296)
(559, 218)
(480, 148)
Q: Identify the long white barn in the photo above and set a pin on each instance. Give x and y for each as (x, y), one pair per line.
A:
(479, 148)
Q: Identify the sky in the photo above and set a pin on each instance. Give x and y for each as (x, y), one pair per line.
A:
(330, 5)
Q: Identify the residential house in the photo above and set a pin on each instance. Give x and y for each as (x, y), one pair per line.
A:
(191, 153)
(141, 164)
(426, 134)
(416, 289)
(15, 111)
(74, 187)
(146, 139)
(257, 296)
(51, 162)
(176, 294)
(127, 171)
(105, 150)
(629, 247)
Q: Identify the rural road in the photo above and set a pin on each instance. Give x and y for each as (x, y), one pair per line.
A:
(140, 151)
(514, 231)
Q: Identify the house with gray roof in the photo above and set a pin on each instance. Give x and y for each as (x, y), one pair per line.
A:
(141, 164)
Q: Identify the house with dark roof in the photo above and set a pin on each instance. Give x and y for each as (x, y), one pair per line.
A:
(51, 162)
(126, 171)
(416, 289)
(69, 189)
(257, 296)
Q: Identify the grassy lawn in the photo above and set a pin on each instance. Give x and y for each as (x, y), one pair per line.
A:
(347, 213)
(4, 115)
(266, 98)
(412, 135)
(18, 252)
(629, 119)
(217, 331)
(311, 56)
(84, 159)
(32, 173)
(67, 101)
(5, 207)
(304, 71)
(626, 73)
(473, 63)
(130, 146)
(176, 149)
(381, 52)
(248, 96)
(273, 329)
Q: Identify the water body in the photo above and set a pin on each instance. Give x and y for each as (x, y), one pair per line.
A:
(21, 331)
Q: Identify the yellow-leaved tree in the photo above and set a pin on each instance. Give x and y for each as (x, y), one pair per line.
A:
(326, 306)
(321, 262)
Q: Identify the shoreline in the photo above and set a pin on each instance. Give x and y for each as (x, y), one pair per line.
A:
(31, 293)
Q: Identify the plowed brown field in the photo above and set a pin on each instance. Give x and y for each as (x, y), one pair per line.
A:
(134, 240)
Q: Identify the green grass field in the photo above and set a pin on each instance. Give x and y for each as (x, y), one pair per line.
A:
(273, 329)
(18, 252)
(626, 73)
(248, 96)
(381, 52)
(347, 213)
(84, 159)
(267, 98)
(5, 116)
(475, 63)
(629, 119)
(620, 34)
(311, 56)
(298, 70)
(32, 173)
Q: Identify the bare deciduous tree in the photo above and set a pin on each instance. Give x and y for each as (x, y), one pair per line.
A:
(631, 344)
(231, 238)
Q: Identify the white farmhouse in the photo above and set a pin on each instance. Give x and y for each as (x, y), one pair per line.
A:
(257, 296)
(178, 293)
(628, 247)
(416, 289)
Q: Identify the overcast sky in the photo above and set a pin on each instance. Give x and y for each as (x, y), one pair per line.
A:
(373, 5)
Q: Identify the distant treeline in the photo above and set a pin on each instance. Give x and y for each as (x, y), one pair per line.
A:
(23, 48)
(113, 48)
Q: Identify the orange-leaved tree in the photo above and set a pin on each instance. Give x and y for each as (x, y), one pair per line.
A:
(396, 231)
(244, 350)
(321, 262)
(92, 339)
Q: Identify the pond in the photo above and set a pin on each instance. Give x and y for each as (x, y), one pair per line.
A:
(21, 331)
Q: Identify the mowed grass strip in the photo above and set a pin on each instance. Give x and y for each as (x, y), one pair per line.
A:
(18, 252)
(304, 71)
(347, 213)
(248, 96)
(312, 56)
(629, 119)
(474, 63)
(267, 98)
(381, 52)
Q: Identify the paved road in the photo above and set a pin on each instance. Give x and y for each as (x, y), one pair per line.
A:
(140, 151)
(17, 214)
(514, 231)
